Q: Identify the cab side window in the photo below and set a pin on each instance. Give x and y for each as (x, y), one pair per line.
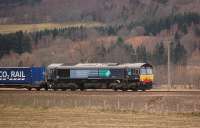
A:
(63, 73)
(136, 71)
(129, 72)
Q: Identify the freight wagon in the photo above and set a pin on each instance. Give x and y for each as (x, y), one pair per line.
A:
(23, 77)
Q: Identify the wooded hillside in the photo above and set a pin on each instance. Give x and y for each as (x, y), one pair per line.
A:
(110, 31)
(117, 11)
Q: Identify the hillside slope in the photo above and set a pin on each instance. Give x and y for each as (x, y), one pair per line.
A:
(117, 11)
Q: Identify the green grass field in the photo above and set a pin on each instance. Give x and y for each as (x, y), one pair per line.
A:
(11, 28)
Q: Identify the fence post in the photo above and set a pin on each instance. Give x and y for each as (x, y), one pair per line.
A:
(34, 104)
(195, 108)
(48, 103)
(177, 108)
(161, 108)
(89, 104)
(118, 104)
(75, 104)
(61, 103)
(146, 107)
(104, 104)
(132, 105)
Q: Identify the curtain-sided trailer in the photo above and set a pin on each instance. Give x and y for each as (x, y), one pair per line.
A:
(22, 77)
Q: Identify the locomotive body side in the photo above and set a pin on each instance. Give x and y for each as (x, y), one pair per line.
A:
(89, 77)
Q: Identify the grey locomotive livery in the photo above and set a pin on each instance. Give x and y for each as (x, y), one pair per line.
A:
(94, 76)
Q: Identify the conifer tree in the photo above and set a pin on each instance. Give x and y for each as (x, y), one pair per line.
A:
(141, 53)
(159, 54)
(179, 54)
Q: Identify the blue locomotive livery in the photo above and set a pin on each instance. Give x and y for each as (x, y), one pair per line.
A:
(130, 76)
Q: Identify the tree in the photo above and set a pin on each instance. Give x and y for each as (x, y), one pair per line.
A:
(182, 20)
(17, 42)
(159, 54)
(183, 28)
(120, 52)
(120, 40)
(141, 53)
(179, 53)
(100, 53)
(197, 31)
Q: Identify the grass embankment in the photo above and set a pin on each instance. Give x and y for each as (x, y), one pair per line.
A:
(11, 28)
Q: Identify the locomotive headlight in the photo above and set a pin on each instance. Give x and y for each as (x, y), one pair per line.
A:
(147, 78)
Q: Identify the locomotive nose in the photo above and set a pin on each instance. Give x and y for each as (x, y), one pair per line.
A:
(146, 78)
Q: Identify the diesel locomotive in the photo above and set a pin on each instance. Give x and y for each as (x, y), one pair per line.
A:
(82, 76)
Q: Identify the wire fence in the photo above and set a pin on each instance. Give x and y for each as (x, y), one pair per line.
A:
(142, 103)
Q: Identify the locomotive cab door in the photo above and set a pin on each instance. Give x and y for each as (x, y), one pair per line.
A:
(133, 75)
(51, 74)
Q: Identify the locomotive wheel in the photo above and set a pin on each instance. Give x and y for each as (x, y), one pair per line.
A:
(29, 89)
(72, 86)
(124, 89)
(55, 89)
(134, 90)
(82, 89)
(115, 88)
(73, 89)
(64, 89)
(45, 87)
(38, 89)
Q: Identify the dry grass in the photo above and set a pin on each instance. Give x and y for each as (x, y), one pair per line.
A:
(140, 102)
(89, 118)
(11, 28)
(25, 109)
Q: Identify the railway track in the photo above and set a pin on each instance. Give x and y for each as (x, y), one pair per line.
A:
(106, 92)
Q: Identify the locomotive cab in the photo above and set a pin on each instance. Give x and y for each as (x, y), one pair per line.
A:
(145, 73)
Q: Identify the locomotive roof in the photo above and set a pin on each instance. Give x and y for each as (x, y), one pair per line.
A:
(100, 65)
(136, 65)
(84, 67)
(95, 64)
